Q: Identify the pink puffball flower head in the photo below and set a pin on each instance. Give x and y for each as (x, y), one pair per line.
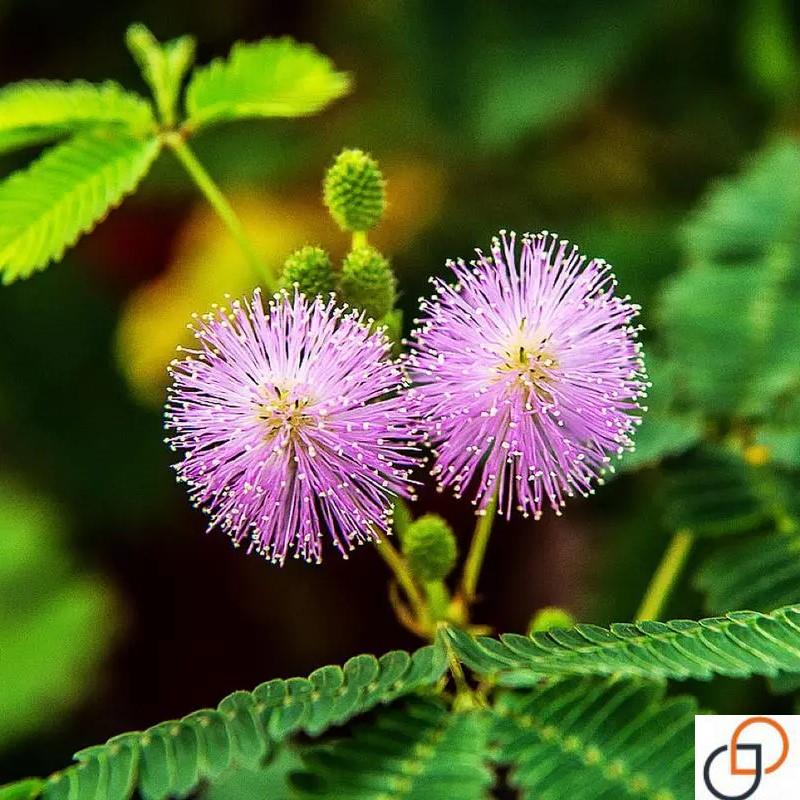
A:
(292, 420)
(528, 374)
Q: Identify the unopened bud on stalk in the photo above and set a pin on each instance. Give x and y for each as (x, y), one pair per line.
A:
(354, 191)
(368, 283)
(430, 547)
(310, 270)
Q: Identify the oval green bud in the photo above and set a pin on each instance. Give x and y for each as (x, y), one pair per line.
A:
(309, 269)
(550, 617)
(368, 283)
(354, 191)
(430, 547)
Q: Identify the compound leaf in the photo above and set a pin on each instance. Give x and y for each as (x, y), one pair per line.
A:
(740, 644)
(163, 66)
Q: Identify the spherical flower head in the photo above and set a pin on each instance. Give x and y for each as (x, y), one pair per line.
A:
(528, 374)
(293, 423)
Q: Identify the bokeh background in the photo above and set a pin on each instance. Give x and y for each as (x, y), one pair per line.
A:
(604, 122)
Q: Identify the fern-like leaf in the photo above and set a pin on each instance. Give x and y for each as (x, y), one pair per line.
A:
(163, 66)
(740, 644)
(584, 738)
(419, 751)
(32, 112)
(271, 78)
(760, 572)
(717, 493)
(171, 758)
(45, 208)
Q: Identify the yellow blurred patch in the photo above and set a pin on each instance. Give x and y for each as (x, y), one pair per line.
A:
(207, 263)
(757, 455)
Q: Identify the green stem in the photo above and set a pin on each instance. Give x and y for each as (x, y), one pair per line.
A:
(665, 576)
(359, 240)
(477, 551)
(438, 599)
(218, 202)
(399, 567)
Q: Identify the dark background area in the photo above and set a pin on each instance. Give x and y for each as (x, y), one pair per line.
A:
(604, 122)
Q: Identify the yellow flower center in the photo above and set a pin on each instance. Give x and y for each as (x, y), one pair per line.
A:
(284, 408)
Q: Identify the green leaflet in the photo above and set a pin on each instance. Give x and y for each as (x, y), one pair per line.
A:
(419, 751)
(37, 111)
(740, 644)
(65, 193)
(31, 136)
(760, 572)
(585, 738)
(269, 782)
(22, 790)
(743, 252)
(163, 66)
(271, 78)
(171, 758)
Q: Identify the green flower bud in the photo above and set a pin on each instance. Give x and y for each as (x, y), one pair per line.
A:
(310, 268)
(430, 547)
(354, 191)
(546, 619)
(368, 283)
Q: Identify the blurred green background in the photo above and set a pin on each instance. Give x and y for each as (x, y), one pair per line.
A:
(604, 122)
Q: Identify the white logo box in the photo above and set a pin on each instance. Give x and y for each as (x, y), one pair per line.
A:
(767, 750)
